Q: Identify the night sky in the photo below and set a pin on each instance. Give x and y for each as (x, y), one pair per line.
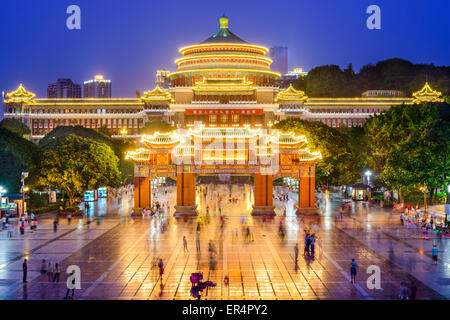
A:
(127, 41)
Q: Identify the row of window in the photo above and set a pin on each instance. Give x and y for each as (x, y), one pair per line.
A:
(91, 111)
(346, 110)
(89, 123)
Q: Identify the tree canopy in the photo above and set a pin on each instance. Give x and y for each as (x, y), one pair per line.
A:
(392, 74)
(410, 146)
(338, 165)
(76, 164)
(119, 146)
(16, 126)
(16, 155)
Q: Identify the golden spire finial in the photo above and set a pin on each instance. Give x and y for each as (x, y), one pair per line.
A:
(223, 22)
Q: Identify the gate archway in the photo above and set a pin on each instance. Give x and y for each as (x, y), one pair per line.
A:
(266, 154)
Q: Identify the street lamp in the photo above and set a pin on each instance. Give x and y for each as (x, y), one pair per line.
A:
(2, 191)
(23, 190)
(124, 131)
(368, 174)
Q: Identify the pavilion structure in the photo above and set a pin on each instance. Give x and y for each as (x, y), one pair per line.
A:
(185, 154)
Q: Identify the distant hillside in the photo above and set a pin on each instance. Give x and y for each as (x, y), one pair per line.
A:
(392, 74)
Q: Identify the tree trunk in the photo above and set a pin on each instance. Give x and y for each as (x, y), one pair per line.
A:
(400, 195)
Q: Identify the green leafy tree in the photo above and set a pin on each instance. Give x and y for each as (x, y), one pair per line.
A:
(16, 126)
(16, 155)
(104, 131)
(409, 146)
(119, 146)
(337, 166)
(76, 164)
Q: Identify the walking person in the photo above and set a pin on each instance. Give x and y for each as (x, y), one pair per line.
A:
(69, 218)
(320, 246)
(312, 244)
(197, 241)
(404, 292)
(434, 254)
(25, 270)
(55, 225)
(353, 271)
(307, 243)
(401, 219)
(56, 273)
(296, 253)
(10, 230)
(185, 244)
(50, 272)
(22, 227)
(43, 267)
(161, 269)
(73, 287)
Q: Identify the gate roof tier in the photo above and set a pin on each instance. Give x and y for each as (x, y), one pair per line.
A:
(426, 94)
(20, 95)
(161, 140)
(291, 94)
(157, 95)
(231, 86)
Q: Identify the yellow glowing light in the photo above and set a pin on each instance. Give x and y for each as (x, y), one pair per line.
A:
(291, 94)
(124, 131)
(242, 46)
(426, 94)
(157, 94)
(220, 56)
(20, 95)
(275, 74)
(98, 77)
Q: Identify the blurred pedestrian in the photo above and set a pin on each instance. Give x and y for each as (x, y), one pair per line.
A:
(434, 254)
(185, 244)
(56, 273)
(353, 271)
(25, 270)
(50, 272)
(43, 267)
(161, 269)
(296, 253)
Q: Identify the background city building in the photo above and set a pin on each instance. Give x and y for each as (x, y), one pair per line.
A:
(97, 88)
(291, 77)
(279, 56)
(64, 88)
(162, 79)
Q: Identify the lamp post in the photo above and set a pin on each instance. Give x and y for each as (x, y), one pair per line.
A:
(22, 190)
(368, 173)
(2, 191)
(425, 190)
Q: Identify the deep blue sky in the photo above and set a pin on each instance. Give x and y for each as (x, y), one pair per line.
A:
(128, 40)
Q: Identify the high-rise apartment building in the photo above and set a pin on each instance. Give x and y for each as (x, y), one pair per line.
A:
(279, 56)
(97, 88)
(63, 88)
(162, 79)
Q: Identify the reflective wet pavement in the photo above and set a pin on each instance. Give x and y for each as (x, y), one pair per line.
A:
(118, 258)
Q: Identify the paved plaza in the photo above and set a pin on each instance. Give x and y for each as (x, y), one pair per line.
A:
(118, 257)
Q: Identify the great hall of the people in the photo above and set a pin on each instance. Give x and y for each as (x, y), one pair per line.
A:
(226, 85)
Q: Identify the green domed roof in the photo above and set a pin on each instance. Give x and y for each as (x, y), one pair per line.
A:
(224, 35)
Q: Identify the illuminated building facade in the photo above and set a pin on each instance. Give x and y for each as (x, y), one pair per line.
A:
(222, 82)
(97, 88)
(63, 88)
(224, 97)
